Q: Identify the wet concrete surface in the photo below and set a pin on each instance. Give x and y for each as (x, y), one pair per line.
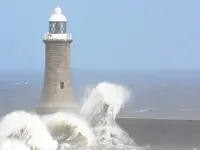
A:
(163, 134)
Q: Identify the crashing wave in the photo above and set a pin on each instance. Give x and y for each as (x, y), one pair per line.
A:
(13, 144)
(70, 128)
(101, 108)
(109, 132)
(95, 128)
(27, 128)
(104, 93)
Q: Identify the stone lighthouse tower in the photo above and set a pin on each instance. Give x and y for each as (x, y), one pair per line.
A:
(57, 89)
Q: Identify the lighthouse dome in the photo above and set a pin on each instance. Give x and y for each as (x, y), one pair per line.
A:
(57, 16)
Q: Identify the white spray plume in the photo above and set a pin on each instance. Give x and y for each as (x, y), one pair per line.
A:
(13, 144)
(104, 93)
(27, 128)
(66, 120)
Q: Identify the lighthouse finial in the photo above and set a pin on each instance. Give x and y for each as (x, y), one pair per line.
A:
(58, 3)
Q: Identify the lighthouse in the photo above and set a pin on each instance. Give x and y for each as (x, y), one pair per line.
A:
(57, 91)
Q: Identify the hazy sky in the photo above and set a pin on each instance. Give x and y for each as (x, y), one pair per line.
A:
(108, 34)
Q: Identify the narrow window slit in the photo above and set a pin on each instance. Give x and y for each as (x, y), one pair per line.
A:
(62, 85)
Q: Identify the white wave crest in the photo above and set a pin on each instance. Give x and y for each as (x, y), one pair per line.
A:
(104, 93)
(101, 106)
(69, 121)
(13, 144)
(27, 128)
(96, 125)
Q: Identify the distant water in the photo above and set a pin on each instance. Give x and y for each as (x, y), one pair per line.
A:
(161, 94)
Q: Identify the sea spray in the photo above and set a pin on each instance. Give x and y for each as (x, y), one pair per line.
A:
(27, 128)
(101, 106)
(104, 98)
(13, 144)
(96, 128)
(104, 93)
(65, 122)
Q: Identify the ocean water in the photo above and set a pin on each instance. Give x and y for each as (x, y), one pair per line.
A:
(94, 127)
(145, 94)
(155, 94)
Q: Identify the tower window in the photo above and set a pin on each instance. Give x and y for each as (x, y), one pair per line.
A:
(62, 85)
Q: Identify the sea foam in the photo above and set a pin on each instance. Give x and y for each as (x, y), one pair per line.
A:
(27, 128)
(100, 108)
(13, 144)
(63, 121)
(94, 128)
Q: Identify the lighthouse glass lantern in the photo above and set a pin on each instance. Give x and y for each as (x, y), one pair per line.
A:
(57, 22)
(57, 27)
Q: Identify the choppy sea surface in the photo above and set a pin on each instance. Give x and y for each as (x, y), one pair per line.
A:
(93, 127)
(155, 94)
(147, 94)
